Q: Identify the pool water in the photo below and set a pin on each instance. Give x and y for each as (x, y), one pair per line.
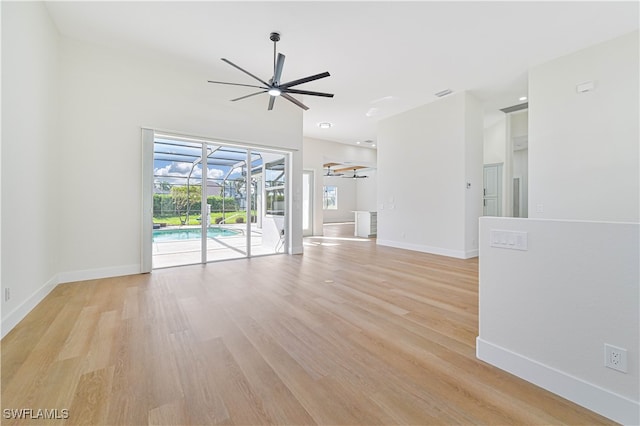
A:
(190, 234)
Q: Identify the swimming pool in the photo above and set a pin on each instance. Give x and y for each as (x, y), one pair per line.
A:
(190, 234)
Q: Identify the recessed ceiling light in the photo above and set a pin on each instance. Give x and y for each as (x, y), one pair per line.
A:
(386, 98)
(358, 142)
(523, 98)
(325, 125)
(372, 112)
(374, 145)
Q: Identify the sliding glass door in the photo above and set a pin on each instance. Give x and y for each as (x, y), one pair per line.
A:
(177, 196)
(228, 236)
(214, 201)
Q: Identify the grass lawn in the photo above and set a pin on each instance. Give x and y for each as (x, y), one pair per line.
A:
(193, 218)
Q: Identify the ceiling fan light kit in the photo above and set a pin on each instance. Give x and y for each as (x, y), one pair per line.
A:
(274, 87)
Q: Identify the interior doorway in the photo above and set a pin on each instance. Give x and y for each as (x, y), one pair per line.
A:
(518, 178)
(492, 192)
(505, 171)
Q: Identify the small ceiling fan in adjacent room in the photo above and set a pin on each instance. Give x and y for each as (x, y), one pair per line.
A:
(329, 172)
(355, 175)
(274, 87)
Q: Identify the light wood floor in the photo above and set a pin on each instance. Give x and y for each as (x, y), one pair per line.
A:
(348, 333)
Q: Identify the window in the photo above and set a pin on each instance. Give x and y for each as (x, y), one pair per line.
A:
(330, 198)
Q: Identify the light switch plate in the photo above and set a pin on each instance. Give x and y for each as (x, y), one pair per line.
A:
(514, 240)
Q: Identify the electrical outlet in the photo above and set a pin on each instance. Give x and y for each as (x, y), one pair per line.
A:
(615, 358)
(7, 294)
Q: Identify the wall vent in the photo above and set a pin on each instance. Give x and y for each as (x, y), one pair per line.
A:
(444, 93)
(515, 108)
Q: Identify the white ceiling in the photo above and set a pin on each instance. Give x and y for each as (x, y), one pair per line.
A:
(384, 57)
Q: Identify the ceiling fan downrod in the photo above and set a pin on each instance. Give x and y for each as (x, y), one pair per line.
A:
(275, 38)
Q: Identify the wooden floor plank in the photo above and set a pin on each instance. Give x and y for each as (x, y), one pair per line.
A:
(348, 333)
(279, 403)
(91, 397)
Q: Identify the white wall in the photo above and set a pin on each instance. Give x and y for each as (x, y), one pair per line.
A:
(519, 123)
(426, 156)
(495, 142)
(30, 96)
(473, 182)
(546, 313)
(78, 155)
(347, 199)
(366, 191)
(583, 148)
(318, 152)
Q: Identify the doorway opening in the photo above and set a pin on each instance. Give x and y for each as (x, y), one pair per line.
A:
(506, 173)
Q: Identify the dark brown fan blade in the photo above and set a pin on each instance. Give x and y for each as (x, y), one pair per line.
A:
(248, 96)
(237, 84)
(277, 73)
(272, 99)
(307, 92)
(295, 101)
(305, 80)
(244, 71)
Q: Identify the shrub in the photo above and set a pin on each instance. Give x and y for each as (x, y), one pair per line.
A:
(215, 201)
(240, 219)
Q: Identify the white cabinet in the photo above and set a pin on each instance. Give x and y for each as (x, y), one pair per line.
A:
(366, 224)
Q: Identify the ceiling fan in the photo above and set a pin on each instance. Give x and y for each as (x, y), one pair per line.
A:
(355, 176)
(330, 173)
(274, 87)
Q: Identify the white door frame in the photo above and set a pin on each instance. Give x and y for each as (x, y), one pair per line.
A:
(146, 236)
(309, 200)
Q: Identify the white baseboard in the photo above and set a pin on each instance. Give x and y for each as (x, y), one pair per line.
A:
(21, 311)
(296, 250)
(472, 253)
(15, 316)
(459, 254)
(606, 403)
(94, 274)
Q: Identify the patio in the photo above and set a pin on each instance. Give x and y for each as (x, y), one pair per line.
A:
(183, 252)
